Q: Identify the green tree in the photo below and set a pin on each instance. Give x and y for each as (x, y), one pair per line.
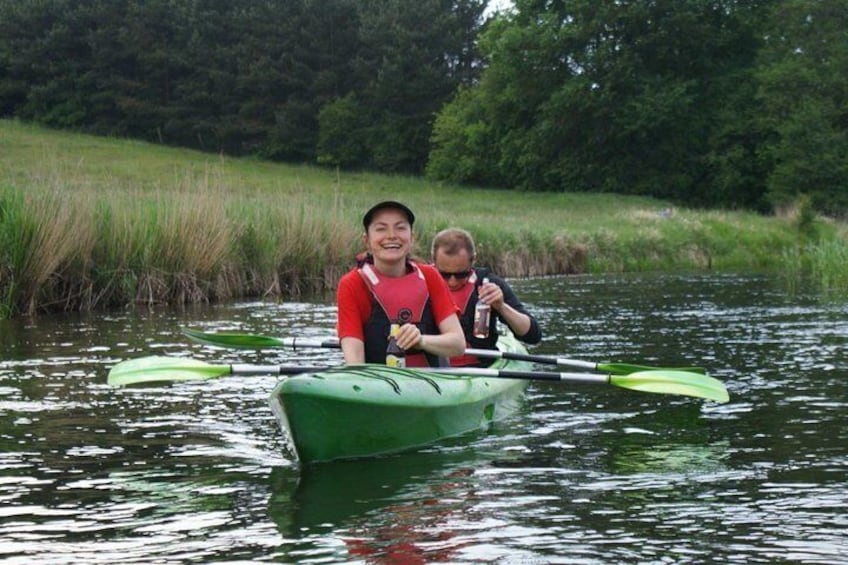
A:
(803, 88)
(413, 57)
(603, 95)
(464, 137)
(314, 69)
(46, 61)
(342, 125)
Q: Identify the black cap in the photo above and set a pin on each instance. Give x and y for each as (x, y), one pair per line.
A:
(369, 215)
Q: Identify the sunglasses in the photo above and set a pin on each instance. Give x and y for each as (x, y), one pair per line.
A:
(458, 275)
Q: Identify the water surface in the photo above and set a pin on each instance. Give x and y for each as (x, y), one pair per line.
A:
(197, 472)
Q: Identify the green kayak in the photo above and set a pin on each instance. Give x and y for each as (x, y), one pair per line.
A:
(365, 410)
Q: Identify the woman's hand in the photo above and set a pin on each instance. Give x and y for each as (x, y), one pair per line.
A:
(409, 337)
(450, 342)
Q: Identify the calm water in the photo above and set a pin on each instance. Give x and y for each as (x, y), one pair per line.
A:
(196, 472)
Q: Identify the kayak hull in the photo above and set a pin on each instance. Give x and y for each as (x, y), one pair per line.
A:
(367, 410)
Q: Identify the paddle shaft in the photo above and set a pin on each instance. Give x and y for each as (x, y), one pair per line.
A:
(256, 370)
(226, 339)
(497, 354)
(588, 378)
(279, 370)
(330, 343)
(295, 342)
(611, 368)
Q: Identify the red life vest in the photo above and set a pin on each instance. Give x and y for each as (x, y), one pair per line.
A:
(402, 300)
(462, 295)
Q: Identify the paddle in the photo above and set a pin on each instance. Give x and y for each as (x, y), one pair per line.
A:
(157, 368)
(228, 339)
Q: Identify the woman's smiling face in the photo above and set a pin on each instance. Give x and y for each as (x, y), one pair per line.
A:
(389, 237)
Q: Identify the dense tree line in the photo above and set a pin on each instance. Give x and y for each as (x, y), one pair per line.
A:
(345, 82)
(709, 102)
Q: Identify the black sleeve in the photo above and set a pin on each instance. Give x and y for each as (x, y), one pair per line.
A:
(534, 334)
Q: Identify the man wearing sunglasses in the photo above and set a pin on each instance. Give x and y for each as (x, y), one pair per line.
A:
(453, 255)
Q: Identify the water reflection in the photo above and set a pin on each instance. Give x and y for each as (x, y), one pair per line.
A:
(391, 509)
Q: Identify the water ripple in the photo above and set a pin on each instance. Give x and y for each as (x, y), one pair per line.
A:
(197, 471)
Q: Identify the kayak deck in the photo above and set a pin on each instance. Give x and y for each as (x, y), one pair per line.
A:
(365, 410)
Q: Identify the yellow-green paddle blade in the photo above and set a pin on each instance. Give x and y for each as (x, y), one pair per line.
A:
(158, 368)
(673, 382)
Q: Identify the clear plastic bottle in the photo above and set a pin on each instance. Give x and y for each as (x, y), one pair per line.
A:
(482, 312)
(395, 354)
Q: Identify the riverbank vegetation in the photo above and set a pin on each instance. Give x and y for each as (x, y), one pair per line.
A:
(90, 222)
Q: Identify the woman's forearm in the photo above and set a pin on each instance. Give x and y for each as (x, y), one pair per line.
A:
(450, 342)
(353, 350)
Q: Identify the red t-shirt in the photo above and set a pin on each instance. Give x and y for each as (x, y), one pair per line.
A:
(354, 301)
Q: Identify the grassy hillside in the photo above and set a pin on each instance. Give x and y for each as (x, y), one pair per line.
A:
(95, 222)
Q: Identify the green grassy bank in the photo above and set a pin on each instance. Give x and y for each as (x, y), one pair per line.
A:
(89, 222)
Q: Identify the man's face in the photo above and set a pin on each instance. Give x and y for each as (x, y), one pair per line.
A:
(455, 269)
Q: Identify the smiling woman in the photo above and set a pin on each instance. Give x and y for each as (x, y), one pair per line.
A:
(389, 288)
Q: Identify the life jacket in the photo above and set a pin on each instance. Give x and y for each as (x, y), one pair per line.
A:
(400, 300)
(465, 298)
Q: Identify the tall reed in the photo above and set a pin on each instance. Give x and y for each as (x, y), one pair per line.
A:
(45, 238)
(827, 265)
(68, 248)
